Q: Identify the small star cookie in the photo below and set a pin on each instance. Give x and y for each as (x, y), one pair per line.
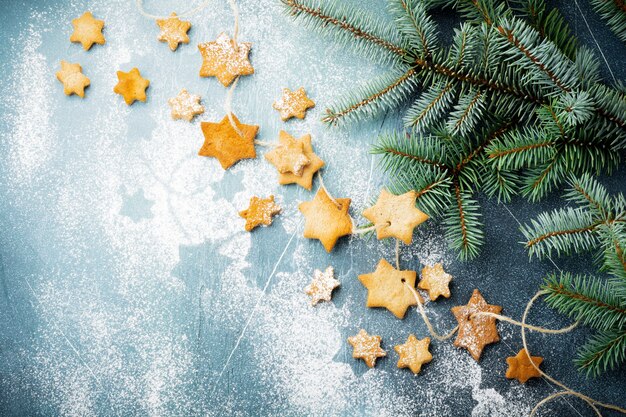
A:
(293, 104)
(435, 280)
(366, 347)
(414, 353)
(322, 286)
(73, 79)
(87, 31)
(260, 212)
(395, 215)
(131, 85)
(225, 59)
(222, 141)
(325, 220)
(476, 331)
(185, 106)
(289, 155)
(173, 31)
(521, 368)
(305, 179)
(386, 288)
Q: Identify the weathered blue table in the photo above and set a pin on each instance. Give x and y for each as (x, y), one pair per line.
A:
(128, 286)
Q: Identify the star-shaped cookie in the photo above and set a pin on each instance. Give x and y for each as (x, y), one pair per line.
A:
(305, 179)
(293, 104)
(185, 106)
(173, 31)
(225, 59)
(521, 368)
(87, 31)
(366, 347)
(131, 85)
(325, 220)
(435, 280)
(222, 141)
(395, 215)
(260, 212)
(73, 79)
(322, 286)
(289, 155)
(476, 331)
(414, 353)
(386, 288)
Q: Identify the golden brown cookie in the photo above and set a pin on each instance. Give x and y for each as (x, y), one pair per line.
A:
(476, 331)
(73, 79)
(289, 155)
(414, 353)
(386, 288)
(260, 212)
(87, 31)
(222, 141)
(304, 180)
(325, 220)
(435, 280)
(173, 31)
(185, 106)
(131, 85)
(521, 368)
(366, 347)
(395, 215)
(322, 286)
(225, 59)
(293, 104)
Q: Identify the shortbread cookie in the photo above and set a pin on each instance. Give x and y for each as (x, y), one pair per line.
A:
(185, 106)
(414, 353)
(326, 220)
(73, 79)
(260, 212)
(436, 281)
(322, 286)
(289, 155)
(293, 104)
(223, 142)
(87, 31)
(304, 180)
(521, 368)
(173, 31)
(366, 347)
(131, 85)
(225, 59)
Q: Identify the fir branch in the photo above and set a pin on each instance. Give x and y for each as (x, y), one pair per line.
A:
(614, 12)
(521, 148)
(463, 225)
(604, 351)
(430, 106)
(415, 25)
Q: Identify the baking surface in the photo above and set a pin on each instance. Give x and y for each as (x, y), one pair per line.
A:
(128, 285)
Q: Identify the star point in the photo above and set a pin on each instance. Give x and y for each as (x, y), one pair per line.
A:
(225, 59)
(223, 142)
(326, 220)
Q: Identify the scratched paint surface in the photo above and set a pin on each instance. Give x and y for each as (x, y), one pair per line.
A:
(128, 286)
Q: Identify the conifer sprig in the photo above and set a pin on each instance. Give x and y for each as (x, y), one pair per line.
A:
(614, 13)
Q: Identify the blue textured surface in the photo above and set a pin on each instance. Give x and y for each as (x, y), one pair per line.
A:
(127, 284)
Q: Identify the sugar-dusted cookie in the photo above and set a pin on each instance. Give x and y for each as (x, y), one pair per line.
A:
(395, 215)
(223, 142)
(414, 353)
(185, 106)
(173, 31)
(304, 180)
(225, 59)
(289, 155)
(436, 281)
(521, 368)
(366, 347)
(386, 288)
(476, 331)
(293, 104)
(260, 212)
(73, 79)
(322, 286)
(326, 220)
(131, 85)
(87, 31)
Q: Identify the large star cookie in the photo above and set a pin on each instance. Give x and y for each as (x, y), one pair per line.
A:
(521, 368)
(289, 155)
(305, 179)
(173, 31)
(131, 85)
(260, 212)
(185, 106)
(223, 142)
(366, 347)
(73, 79)
(326, 220)
(476, 331)
(225, 59)
(395, 215)
(414, 353)
(87, 31)
(387, 287)
(322, 286)
(435, 280)
(293, 104)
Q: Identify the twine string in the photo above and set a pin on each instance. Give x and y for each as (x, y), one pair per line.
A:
(431, 329)
(323, 187)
